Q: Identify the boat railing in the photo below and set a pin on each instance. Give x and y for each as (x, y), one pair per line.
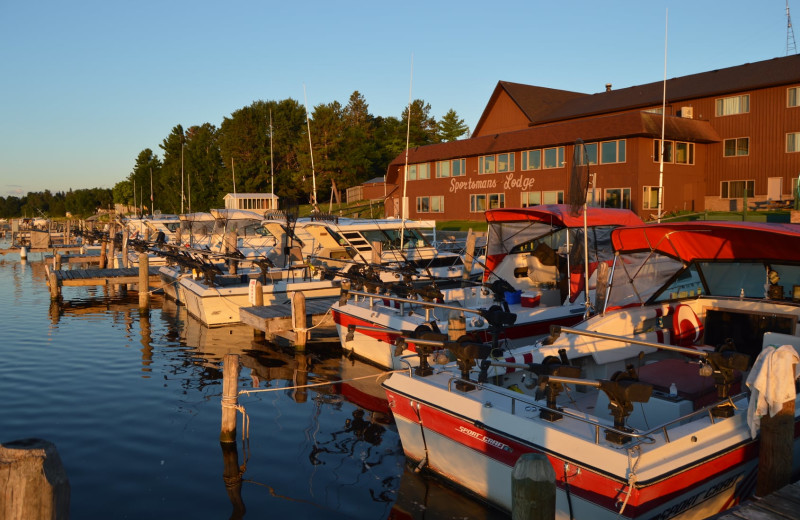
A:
(409, 303)
(637, 436)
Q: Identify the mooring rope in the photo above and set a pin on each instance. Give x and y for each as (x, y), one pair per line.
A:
(311, 385)
(631, 475)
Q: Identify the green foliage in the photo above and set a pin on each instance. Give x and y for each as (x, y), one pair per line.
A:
(451, 127)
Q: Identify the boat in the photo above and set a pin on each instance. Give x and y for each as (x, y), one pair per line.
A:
(534, 271)
(643, 410)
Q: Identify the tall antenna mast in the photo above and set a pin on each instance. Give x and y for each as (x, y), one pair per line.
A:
(404, 208)
(311, 151)
(791, 45)
(271, 163)
(663, 122)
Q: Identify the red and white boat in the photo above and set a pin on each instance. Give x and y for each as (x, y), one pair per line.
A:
(646, 413)
(534, 270)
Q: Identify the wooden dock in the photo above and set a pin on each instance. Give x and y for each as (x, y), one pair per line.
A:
(276, 320)
(87, 277)
(784, 504)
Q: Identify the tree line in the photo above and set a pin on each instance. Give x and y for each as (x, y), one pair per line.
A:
(264, 144)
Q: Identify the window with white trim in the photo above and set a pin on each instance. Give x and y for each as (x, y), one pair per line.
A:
(483, 201)
(650, 197)
(530, 198)
(736, 147)
(618, 198)
(793, 142)
(553, 197)
(736, 189)
(419, 171)
(732, 105)
(430, 204)
(554, 157)
(531, 160)
(793, 97)
(500, 163)
(452, 168)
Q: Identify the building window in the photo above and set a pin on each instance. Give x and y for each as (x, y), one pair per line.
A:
(612, 151)
(793, 142)
(736, 189)
(532, 160)
(618, 198)
(657, 151)
(591, 153)
(486, 164)
(430, 204)
(677, 152)
(554, 157)
(736, 147)
(454, 168)
(553, 197)
(733, 105)
(793, 97)
(419, 171)
(650, 197)
(684, 153)
(483, 201)
(500, 163)
(531, 198)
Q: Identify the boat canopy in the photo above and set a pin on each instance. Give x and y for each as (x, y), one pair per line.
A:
(558, 215)
(690, 241)
(665, 262)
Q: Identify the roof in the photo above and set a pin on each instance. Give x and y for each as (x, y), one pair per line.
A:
(688, 241)
(251, 196)
(629, 124)
(559, 215)
(750, 76)
(375, 180)
(533, 101)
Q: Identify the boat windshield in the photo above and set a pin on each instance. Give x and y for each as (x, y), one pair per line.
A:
(643, 277)
(390, 238)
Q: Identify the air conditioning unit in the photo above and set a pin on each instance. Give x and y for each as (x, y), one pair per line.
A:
(687, 112)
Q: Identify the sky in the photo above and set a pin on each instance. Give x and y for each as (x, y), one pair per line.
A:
(85, 86)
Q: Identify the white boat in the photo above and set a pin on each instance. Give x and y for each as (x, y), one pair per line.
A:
(534, 271)
(645, 413)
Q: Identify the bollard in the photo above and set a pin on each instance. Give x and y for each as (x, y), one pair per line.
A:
(299, 320)
(144, 282)
(55, 288)
(456, 327)
(23, 253)
(33, 481)
(259, 302)
(230, 397)
(533, 488)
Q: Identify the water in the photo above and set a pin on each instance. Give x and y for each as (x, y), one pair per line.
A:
(133, 407)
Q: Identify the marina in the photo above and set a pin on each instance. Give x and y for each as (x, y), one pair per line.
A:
(132, 403)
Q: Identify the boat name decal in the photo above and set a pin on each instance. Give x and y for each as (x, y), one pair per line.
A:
(483, 438)
(687, 503)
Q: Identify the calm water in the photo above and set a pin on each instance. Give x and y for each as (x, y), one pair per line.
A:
(133, 407)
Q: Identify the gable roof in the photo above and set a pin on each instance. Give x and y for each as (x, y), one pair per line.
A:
(533, 102)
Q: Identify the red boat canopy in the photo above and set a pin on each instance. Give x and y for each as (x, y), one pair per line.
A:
(688, 241)
(559, 215)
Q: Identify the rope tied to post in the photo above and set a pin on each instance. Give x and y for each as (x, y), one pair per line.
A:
(632, 478)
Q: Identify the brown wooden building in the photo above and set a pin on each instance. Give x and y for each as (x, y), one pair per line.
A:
(730, 135)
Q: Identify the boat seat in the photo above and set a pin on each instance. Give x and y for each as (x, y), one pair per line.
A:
(692, 386)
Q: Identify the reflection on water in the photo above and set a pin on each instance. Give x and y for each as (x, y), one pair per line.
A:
(132, 402)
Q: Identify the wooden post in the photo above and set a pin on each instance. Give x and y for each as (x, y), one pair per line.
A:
(103, 253)
(259, 302)
(301, 377)
(55, 289)
(230, 240)
(57, 262)
(125, 262)
(533, 488)
(299, 319)
(776, 450)
(23, 253)
(33, 481)
(377, 252)
(469, 255)
(144, 282)
(232, 476)
(230, 397)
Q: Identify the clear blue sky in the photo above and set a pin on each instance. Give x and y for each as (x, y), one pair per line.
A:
(87, 85)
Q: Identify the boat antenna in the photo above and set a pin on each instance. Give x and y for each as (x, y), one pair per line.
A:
(311, 152)
(408, 138)
(151, 190)
(663, 122)
(271, 163)
(233, 174)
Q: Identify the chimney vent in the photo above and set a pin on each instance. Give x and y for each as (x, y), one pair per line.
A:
(608, 87)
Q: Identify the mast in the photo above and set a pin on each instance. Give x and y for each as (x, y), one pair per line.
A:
(663, 122)
(311, 152)
(404, 202)
(151, 190)
(271, 162)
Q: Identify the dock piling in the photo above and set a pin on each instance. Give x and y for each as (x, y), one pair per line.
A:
(230, 397)
(775, 453)
(33, 481)
(144, 282)
(299, 319)
(533, 488)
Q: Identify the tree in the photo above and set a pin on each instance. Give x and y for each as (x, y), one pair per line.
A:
(451, 127)
(423, 129)
(170, 183)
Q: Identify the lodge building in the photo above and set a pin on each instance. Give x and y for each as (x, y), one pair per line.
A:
(731, 137)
